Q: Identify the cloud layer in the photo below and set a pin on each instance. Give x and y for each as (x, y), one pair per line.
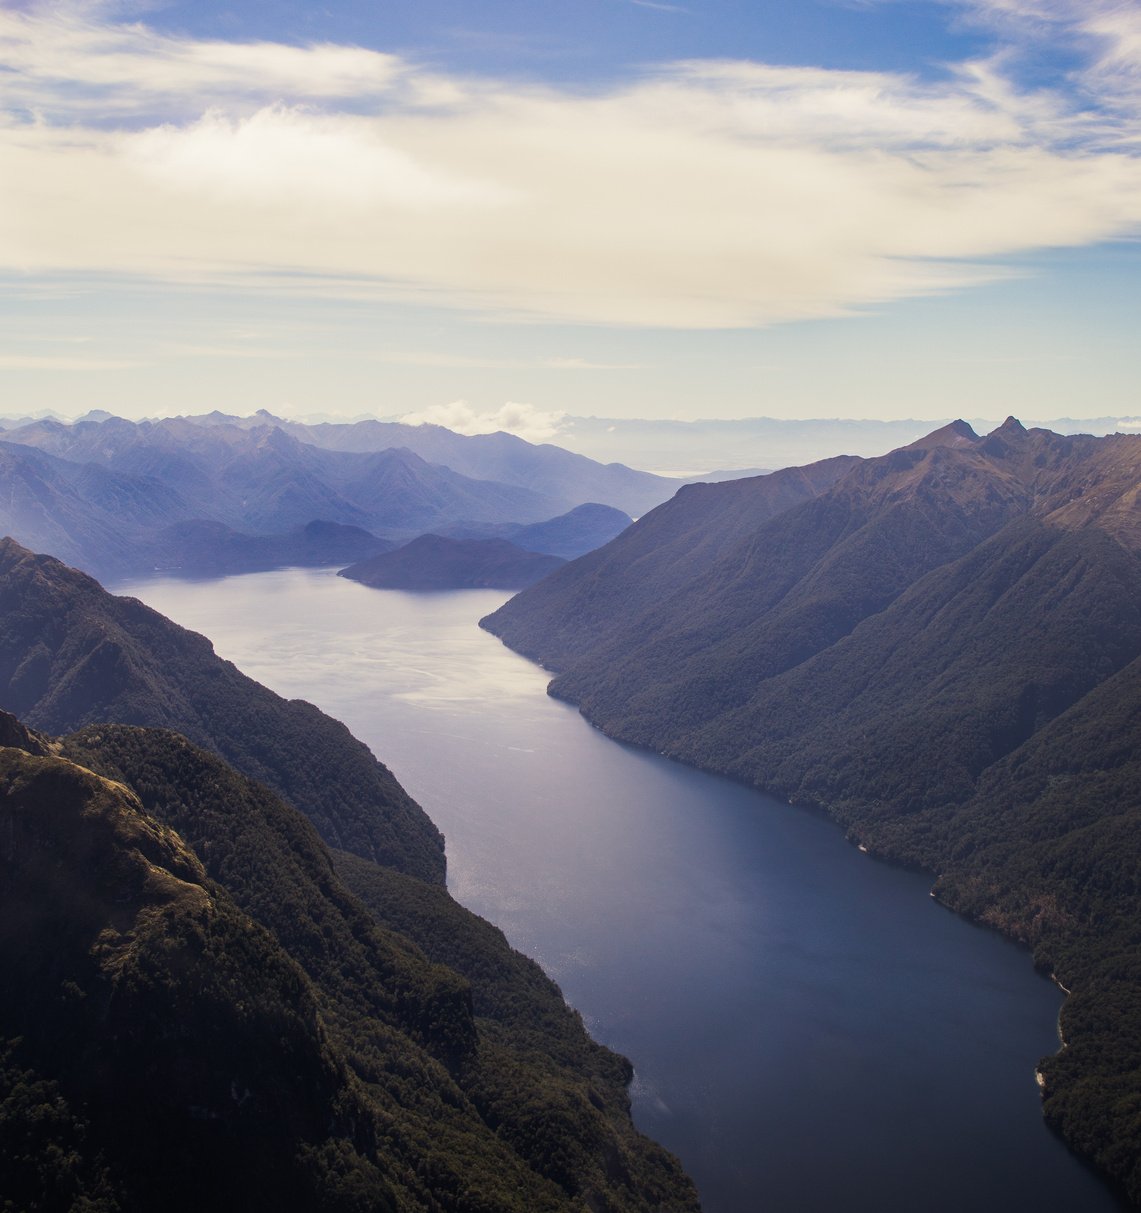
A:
(699, 195)
(523, 420)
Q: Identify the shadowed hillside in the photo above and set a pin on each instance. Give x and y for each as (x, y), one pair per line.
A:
(71, 654)
(199, 1014)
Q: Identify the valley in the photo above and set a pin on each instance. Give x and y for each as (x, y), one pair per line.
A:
(805, 1023)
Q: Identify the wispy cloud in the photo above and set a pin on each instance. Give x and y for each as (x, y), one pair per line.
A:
(36, 362)
(663, 8)
(431, 358)
(523, 420)
(703, 194)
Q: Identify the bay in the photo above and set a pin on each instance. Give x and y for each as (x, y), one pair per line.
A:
(810, 1031)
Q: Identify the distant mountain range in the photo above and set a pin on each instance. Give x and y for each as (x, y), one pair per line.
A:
(942, 648)
(117, 497)
(542, 468)
(204, 1007)
(694, 448)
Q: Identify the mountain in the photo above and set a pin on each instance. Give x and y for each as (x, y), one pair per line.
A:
(942, 648)
(198, 1013)
(567, 613)
(692, 448)
(71, 654)
(501, 457)
(225, 494)
(84, 513)
(262, 479)
(574, 533)
(433, 562)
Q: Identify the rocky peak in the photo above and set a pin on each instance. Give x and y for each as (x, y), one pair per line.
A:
(955, 434)
(18, 736)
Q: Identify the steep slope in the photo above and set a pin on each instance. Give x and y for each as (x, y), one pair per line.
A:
(71, 654)
(433, 562)
(81, 512)
(682, 539)
(320, 1060)
(160, 1051)
(943, 650)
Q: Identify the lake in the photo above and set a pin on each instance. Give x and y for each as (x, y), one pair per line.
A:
(811, 1032)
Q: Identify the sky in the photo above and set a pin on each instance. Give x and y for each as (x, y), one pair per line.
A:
(491, 214)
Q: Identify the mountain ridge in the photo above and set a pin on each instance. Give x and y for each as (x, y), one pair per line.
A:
(71, 654)
(117, 497)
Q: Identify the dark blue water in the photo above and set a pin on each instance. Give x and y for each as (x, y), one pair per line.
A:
(810, 1030)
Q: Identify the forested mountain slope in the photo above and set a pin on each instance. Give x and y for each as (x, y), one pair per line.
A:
(71, 654)
(567, 613)
(199, 1014)
(943, 650)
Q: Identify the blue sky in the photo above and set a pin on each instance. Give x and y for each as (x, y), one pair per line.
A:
(496, 213)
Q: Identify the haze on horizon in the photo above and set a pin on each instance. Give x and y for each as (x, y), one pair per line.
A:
(846, 208)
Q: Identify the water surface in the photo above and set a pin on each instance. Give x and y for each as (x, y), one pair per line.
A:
(811, 1032)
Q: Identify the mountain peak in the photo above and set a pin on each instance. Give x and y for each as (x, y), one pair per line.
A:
(1011, 426)
(954, 434)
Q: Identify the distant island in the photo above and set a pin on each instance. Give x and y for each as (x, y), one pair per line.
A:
(433, 562)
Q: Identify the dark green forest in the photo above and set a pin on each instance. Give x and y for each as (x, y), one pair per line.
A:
(200, 1013)
(205, 1007)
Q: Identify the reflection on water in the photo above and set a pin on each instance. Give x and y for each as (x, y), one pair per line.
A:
(811, 1032)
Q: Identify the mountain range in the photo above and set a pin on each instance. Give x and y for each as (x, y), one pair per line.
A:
(207, 1006)
(941, 647)
(206, 494)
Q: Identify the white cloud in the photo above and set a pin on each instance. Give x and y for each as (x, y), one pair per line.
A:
(71, 57)
(699, 195)
(289, 158)
(523, 420)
